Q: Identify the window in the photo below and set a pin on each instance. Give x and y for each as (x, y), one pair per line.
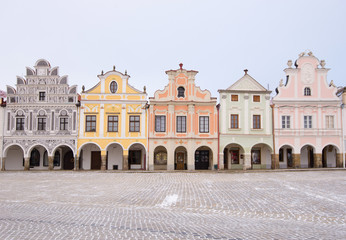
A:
(135, 156)
(307, 91)
(204, 124)
(307, 121)
(35, 158)
(329, 122)
(234, 98)
(134, 123)
(256, 98)
(63, 123)
(56, 161)
(181, 124)
(42, 96)
(41, 124)
(113, 123)
(160, 123)
(234, 121)
(286, 121)
(181, 92)
(113, 87)
(19, 124)
(257, 121)
(90, 123)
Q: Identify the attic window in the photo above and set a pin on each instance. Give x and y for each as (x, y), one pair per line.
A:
(113, 87)
(234, 98)
(181, 92)
(307, 91)
(256, 98)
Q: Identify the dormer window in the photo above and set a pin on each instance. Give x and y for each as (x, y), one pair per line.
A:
(181, 92)
(42, 96)
(307, 91)
(113, 87)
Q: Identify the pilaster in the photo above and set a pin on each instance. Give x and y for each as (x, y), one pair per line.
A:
(125, 161)
(103, 162)
(27, 164)
(317, 160)
(296, 160)
(50, 163)
(247, 161)
(3, 160)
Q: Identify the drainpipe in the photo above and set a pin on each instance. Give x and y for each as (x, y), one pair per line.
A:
(3, 104)
(148, 118)
(342, 136)
(218, 136)
(273, 133)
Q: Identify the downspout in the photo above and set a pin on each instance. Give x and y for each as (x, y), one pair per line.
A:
(218, 136)
(273, 133)
(147, 118)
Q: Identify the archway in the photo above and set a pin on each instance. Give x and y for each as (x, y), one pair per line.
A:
(307, 158)
(261, 156)
(38, 157)
(114, 156)
(160, 158)
(136, 156)
(233, 156)
(329, 156)
(14, 158)
(286, 157)
(90, 157)
(63, 158)
(203, 158)
(180, 158)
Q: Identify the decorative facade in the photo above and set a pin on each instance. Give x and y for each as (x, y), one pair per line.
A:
(40, 121)
(307, 117)
(182, 125)
(2, 124)
(245, 119)
(113, 125)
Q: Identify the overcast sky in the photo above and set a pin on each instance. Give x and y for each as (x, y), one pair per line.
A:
(217, 38)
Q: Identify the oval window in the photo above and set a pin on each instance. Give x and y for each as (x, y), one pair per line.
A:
(113, 87)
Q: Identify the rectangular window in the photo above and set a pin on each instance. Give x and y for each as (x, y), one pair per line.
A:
(42, 96)
(234, 121)
(160, 123)
(74, 121)
(257, 121)
(63, 123)
(53, 121)
(234, 98)
(134, 123)
(286, 121)
(90, 125)
(19, 124)
(113, 123)
(204, 124)
(30, 126)
(307, 121)
(8, 121)
(330, 122)
(256, 98)
(181, 124)
(41, 124)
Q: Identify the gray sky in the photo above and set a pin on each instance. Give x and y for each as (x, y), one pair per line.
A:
(217, 38)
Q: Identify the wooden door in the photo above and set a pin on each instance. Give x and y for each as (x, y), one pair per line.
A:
(68, 161)
(180, 161)
(96, 160)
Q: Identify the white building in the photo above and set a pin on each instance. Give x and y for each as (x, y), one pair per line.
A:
(40, 121)
(2, 112)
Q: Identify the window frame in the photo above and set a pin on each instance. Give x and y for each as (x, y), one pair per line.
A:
(234, 97)
(308, 122)
(181, 92)
(42, 96)
(181, 124)
(329, 122)
(112, 124)
(41, 124)
(63, 122)
(286, 121)
(113, 87)
(20, 121)
(204, 127)
(256, 121)
(256, 98)
(133, 127)
(234, 121)
(89, 120)
(160, 123)
(307, 91)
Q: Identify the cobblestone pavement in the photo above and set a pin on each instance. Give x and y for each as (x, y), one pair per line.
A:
(198, 205)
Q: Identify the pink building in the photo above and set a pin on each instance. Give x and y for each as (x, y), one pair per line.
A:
(307, 117)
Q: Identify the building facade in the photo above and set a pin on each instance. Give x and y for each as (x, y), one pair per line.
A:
(307, 117)
(2, 124)
(182, 125)
(40, 121)
(245, 123)
(342, 96)
(113, 125)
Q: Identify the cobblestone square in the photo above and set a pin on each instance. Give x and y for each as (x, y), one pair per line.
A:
(180, 205)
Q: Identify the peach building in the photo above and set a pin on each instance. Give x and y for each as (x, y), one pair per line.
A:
(307, 117)
(183, 131)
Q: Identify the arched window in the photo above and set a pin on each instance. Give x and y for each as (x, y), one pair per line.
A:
(181, 92)
(113, 87)
(45, 159)
(35, 158)
(307, 91)
(57, 159)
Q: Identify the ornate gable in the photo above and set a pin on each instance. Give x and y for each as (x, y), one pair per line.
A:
(247, 83)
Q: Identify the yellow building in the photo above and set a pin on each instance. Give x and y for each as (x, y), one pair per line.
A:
(113, 125)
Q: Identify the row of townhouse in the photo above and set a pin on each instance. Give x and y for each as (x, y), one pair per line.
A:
(46, 124)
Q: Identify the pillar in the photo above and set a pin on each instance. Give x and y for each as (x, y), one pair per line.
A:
(125, 161)
(317, 160)
(339, 160)
(103, 162)
(296, 160)
(3, 164)
(170, 159)
(190, 159)
(275, 161)
(27, 164)
(76, 163)
(221, 161)
(247, 161)
(50, 163)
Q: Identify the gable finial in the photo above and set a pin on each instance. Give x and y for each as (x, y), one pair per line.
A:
(181, 66)
(113, 67)
(83, 88)
(102, 72)
(126, 72)
(245, 70)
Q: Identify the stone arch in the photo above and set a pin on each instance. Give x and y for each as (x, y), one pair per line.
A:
(66, 154)
(308, 158)
(233, 156)
(39, 160)
(42, 63)
(331, 156)
(180, 158)
(137, 156)
(160, 158)
(90, 156)
(203, 158)
(287, 157)
(261, 156)
(13, 157)
(114, 157)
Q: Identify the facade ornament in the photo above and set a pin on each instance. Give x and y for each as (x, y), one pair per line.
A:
(102, 72)
(126, 72)
(145, 89)
(332, 84)
(323, 63)
(301, 54)
(113, 67)
(281, 83)
(181, 66)
(310, 54)
(289, 63)
(245, 70)
(83, 88)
